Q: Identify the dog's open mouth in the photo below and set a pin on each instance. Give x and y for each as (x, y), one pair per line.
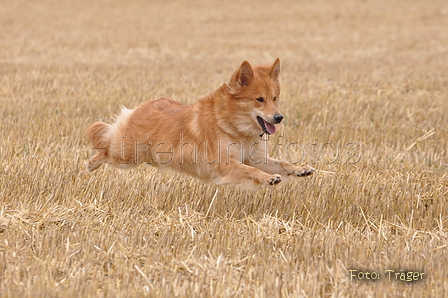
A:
(267, 127)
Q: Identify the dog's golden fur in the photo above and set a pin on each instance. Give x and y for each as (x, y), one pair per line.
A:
(219, 138)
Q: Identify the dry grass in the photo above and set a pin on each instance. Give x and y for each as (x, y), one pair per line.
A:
(370, 73)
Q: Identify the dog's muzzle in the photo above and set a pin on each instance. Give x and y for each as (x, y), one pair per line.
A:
(278, 118)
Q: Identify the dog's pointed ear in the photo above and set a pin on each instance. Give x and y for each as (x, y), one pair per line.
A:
(245, 74)
(275, 70)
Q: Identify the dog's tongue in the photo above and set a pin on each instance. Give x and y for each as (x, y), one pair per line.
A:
(269, 127)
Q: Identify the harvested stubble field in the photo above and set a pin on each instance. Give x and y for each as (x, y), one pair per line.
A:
(364, 93)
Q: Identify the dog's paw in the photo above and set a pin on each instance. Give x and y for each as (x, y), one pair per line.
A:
(274, 179)
(303, 171)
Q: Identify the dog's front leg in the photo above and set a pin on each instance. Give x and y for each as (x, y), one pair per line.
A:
(271, 165)
(244, 175)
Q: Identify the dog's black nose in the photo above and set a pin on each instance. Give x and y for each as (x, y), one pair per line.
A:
(278, 118)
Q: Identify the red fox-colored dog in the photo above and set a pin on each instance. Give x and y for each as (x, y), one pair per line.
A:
(219, 138)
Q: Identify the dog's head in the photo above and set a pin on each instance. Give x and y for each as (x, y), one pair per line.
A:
(255, 94)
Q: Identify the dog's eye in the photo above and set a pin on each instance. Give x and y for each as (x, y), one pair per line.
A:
(260, 99)
(275, 98)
